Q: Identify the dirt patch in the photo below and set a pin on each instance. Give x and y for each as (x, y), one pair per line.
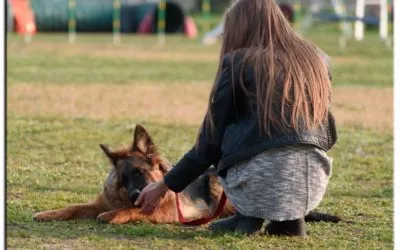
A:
(122, 51)
(367, 107)
(14, 195)
(352, 60)
(49, 243)
(140, 54)
(166, 103)
(177, 103)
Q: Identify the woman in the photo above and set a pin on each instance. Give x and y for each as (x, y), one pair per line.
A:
(267, 128)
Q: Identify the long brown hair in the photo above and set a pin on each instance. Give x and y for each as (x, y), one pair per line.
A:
(292, 81)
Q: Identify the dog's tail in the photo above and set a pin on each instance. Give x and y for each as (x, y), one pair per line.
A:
(318, 217)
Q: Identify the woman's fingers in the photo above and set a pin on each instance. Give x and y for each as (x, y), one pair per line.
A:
(151, 196)
(141, 197)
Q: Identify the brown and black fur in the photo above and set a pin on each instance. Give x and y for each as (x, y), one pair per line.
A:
(134, 168)
(113, 204)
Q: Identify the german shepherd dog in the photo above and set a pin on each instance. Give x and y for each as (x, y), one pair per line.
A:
(135, 167)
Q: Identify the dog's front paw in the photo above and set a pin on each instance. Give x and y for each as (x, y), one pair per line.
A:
(114, 217)
(47, 216)
(105, 217)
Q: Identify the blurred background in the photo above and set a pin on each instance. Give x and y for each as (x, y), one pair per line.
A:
(85, 72)
(142, 16)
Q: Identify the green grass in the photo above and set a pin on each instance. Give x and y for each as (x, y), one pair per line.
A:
(368, 63)
(115, 70)
(53, 161)
(51, 166)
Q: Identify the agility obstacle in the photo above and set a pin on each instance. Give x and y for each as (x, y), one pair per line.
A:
(115, 16)
(345, 19)
(383, 20)
(117, 22)
(72, 21)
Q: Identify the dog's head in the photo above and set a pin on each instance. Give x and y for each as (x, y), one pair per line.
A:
(139, 164)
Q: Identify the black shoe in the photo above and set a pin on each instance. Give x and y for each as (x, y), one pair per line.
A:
(237, 223)
(287, 228)
(249, 225)
(226, 225)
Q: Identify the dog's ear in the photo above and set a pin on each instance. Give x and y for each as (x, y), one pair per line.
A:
(142, 141)
(108, 153)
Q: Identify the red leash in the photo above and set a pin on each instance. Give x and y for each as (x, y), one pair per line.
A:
(204, 220)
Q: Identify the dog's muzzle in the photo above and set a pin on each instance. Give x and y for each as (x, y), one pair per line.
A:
(134, 195)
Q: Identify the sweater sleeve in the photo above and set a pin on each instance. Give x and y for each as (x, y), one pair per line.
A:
(207, 152)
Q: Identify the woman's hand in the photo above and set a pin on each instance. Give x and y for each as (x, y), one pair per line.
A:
(151, 196)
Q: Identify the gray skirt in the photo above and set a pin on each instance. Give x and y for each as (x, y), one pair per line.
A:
(279, 184)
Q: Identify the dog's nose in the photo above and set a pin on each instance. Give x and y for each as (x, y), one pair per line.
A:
(134, 195)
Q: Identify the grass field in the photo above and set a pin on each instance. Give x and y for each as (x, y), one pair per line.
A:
(63, 100)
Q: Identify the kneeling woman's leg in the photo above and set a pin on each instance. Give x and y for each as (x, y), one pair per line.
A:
(238, 223)
(287, 228)
(280, 185)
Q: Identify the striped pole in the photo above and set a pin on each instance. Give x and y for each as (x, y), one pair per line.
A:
(359, 26)
(383, 24)
(117, 21)
(72, 21)
(206, 15)
(28, 29)
(161, 22)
